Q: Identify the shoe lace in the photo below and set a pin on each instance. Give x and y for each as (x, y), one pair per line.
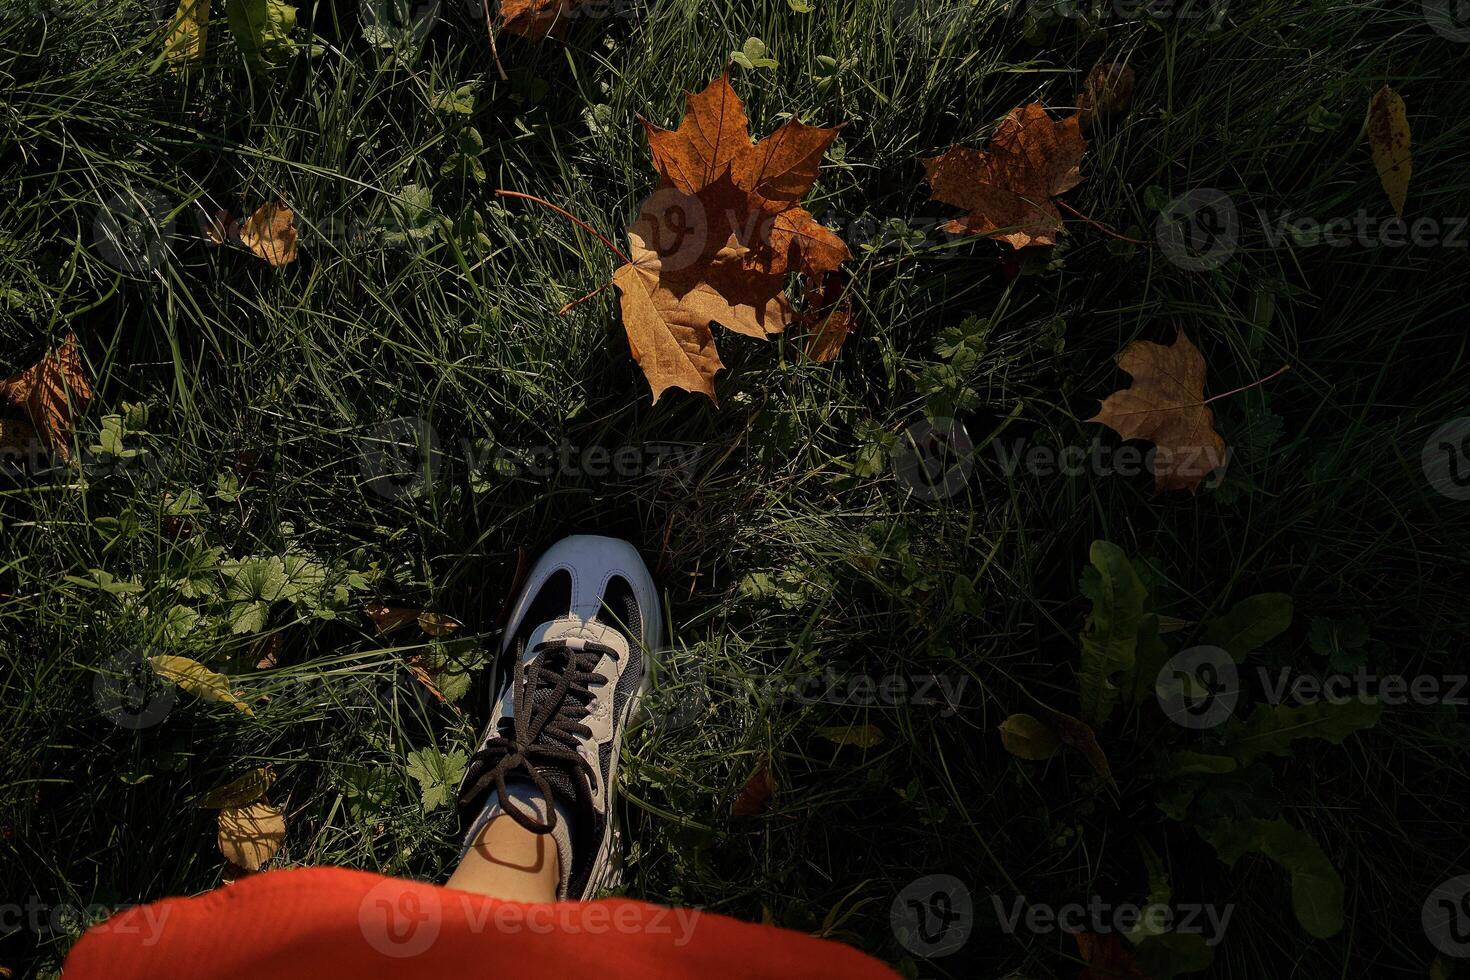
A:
(552, 694)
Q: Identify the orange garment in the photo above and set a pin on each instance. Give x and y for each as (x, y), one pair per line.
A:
(332, 922)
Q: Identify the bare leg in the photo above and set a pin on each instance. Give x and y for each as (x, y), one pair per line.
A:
(510, 862)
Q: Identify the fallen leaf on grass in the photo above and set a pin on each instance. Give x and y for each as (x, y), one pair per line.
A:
(756, 793)
(221, 228)
(438, 624)
(1076, 734)
(1028, 737)
(52, 392)
(1010, 185)
(198, 680)
(535, 19)
(1166, 405)
(271, 234)
(1388, 141)
(241, 791)
(186, 36)
(829, 317)
(387, 619)
(715, 241)
(862, 736)
(1107, 91)
(250, 835)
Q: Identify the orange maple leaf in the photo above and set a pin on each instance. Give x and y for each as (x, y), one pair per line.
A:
(1008, 187)
(535, 19)
(52, 392)
(715, 241)
(1166, 405)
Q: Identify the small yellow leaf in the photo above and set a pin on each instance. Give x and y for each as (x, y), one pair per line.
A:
(271, 234)
(1027, 737)
(197, 679)
(438, 624)
(186, 34)
(250, 835)
(1388, 140)
(863, 736)
(238, 792)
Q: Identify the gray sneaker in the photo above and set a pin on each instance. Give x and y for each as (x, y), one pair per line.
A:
(570, 675)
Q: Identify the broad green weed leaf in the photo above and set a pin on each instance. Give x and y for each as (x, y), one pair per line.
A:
(1110, 639)
(1250, 624)
(436, 773)
(1316, 887)
(262, 29)
(1271, 728)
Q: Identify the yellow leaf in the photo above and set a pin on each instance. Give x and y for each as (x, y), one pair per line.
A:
(1388, 140)
(270, 234)
(1027, 737)
(238, 792)
(187, 31)
(863, 736)
(438, 624)
(250, 835)
(197, 679)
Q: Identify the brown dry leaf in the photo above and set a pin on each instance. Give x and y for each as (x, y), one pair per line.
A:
(250, 835)
(535, 19)
(1107, 91)
(682, 279)
(267, 652)
(829, 318)
(1079, 735)
(1010, 185)
(716, 239)
(386, 619)
(271, 234)
(756, 793)
(1107, 958)
(1166, 405)
(221, 228)
(238, 792)
(1388, 140)
(421, 674)
(52, 392)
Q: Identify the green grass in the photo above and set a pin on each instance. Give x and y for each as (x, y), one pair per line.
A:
(283, 377)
